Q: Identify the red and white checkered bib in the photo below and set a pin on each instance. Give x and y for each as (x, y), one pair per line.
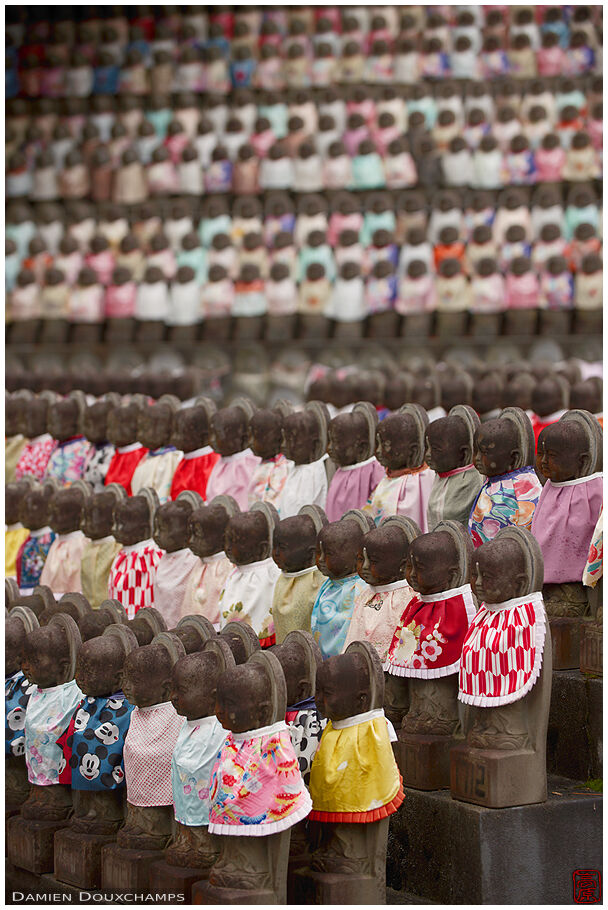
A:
(503, 651)
(132, 576)
(147, 753)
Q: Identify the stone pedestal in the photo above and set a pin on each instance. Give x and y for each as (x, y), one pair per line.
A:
(257, 862)
(520, 322)
(78, 857)
(452, 852)
(166, 879)
(496, 778)
(312, 325)
(248, 328)
(280, 328)
(217, 329)
(485, 325)
(574, 735)
(417, 325)
(554, 322)
(127, 870)
(348, 331)
(566, 641)
(588, 322)
(592, 649)
(204, 893)
(31, 843)
(424, 761)
(451, 324)
(383, 325)
(360, 867)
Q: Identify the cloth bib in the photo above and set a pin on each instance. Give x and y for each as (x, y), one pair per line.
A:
(509, 499)
(35, 456)
(123, 464)
(68, 461)
(97, 558)
(305, 726)
(354, 776)
(232, 475)
(156, 470)
(377, 613)
(32, 557)
(192, 472)
(13, 448)
(14, 538)
(269, 480)
(502, 651)
(453, 494)
(256, 785)
(93, 744)
(170, 581)
(148, 748)
(194, 756)
(428, 639)
(407, 495)
(47, 717)
(17, 691)
(204, 586)
(97, 466)
(306, 484)
(292, 603)
(594, 567)
(247, 597)
(132, 576)
(351, 487)
(332, 612)
(61, 570)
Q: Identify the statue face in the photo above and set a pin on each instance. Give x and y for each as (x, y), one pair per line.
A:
(499, 572)
(65, 511)
(171, 526)
(46, 660)
(98, 667)
(13, 495)
(35, 420)
(382, 556)
(122, 425)
(348, 439)
(194, 685)
(397, 443)
(297, 673)
(206, 528)
(131, 521)
(432, 563)
(266, 433)
(300, 438)
(229, 431)
(341, 688)
(246, 538)
(63, 420)
(294, 544)
(562, 453)
(243, 699)
(146, 678)
(95, 422)
(447, 444)
(190, 429)
(496, 448)
(154, 426)
(338, 547)
(97, 516)
(33, 513)
(14, 639)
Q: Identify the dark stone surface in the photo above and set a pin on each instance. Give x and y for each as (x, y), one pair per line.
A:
(574, 736)
(452, 852)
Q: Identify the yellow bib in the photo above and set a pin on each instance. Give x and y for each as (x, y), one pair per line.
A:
(354, 775)
(13, 539)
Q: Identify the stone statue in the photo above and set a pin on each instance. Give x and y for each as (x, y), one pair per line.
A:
(102, 548)
(352, 447)
(305, 435)
(449, 452)
(17, 691)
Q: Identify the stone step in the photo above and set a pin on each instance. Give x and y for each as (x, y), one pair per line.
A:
(574, 735)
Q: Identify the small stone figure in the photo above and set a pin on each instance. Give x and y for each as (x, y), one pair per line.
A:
(305, 443)
(248, 591)
(503, 760)
(351, 446)
(550, 398)
(191, 431)
(49, 662)
(157, 467)
(17, 690)
(14, 424)
(381, 563)
(122, 433)
(504, 452)
(149, 744)
(338, 546)
(40, 444)
(69, 459)
(232, 474)
(194, 683)
(95, 429)
(206, 530)
(34, 514)
(266, 437)
(294, 546)
(171, 533)
(61, 571)
(94, 740)
(101, 549)
(131, 580)
(426, 648)
(93, 623)
(349, 866)
(255, 812)
(16, 533)
(400, 448)
(450, 444)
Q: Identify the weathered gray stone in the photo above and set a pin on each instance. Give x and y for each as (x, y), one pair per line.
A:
(574, 736)
(454, 852)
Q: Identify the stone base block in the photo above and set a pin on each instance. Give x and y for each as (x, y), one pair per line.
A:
(31, 843)
(417, 325)
(574, 734)
(78, 857)
(485, 325)
(495, 778)
(592, 650)
(333, 888)
(424, 761)
(205, 893)
(566, 641)
(520, 322)
(127, 870)
(174, 880)
(452, 324)
(453, 852)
